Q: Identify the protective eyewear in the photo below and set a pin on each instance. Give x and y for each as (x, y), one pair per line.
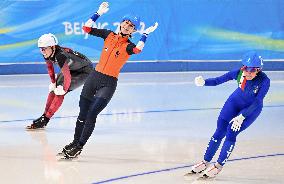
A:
(43, 48)
(250, 69)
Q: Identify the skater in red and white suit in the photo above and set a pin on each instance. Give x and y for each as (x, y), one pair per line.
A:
(74, 69)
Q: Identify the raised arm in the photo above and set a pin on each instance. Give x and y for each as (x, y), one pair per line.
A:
(103, 33)
(135, 49)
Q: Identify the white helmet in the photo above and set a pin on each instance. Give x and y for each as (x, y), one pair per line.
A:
(47, 40)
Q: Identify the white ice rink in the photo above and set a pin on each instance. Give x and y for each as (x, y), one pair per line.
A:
(156, 126)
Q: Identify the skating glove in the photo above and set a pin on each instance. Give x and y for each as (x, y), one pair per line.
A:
(141, 43)
(104, 7)
(59, 90)
(150, 29)
(237, 122)
(51, 87)
(199, 81)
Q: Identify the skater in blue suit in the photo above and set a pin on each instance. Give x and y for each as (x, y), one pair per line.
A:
(239, 111)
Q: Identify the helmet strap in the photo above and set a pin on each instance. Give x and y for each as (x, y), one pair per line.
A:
(53, 50)
(52, 53)
(123, 35)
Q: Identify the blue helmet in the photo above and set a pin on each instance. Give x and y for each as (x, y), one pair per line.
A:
(135, 20)
(252, 59)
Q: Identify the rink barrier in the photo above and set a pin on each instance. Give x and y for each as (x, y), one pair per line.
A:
(146, 66)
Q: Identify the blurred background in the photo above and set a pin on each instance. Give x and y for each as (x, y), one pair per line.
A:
(192, 34)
